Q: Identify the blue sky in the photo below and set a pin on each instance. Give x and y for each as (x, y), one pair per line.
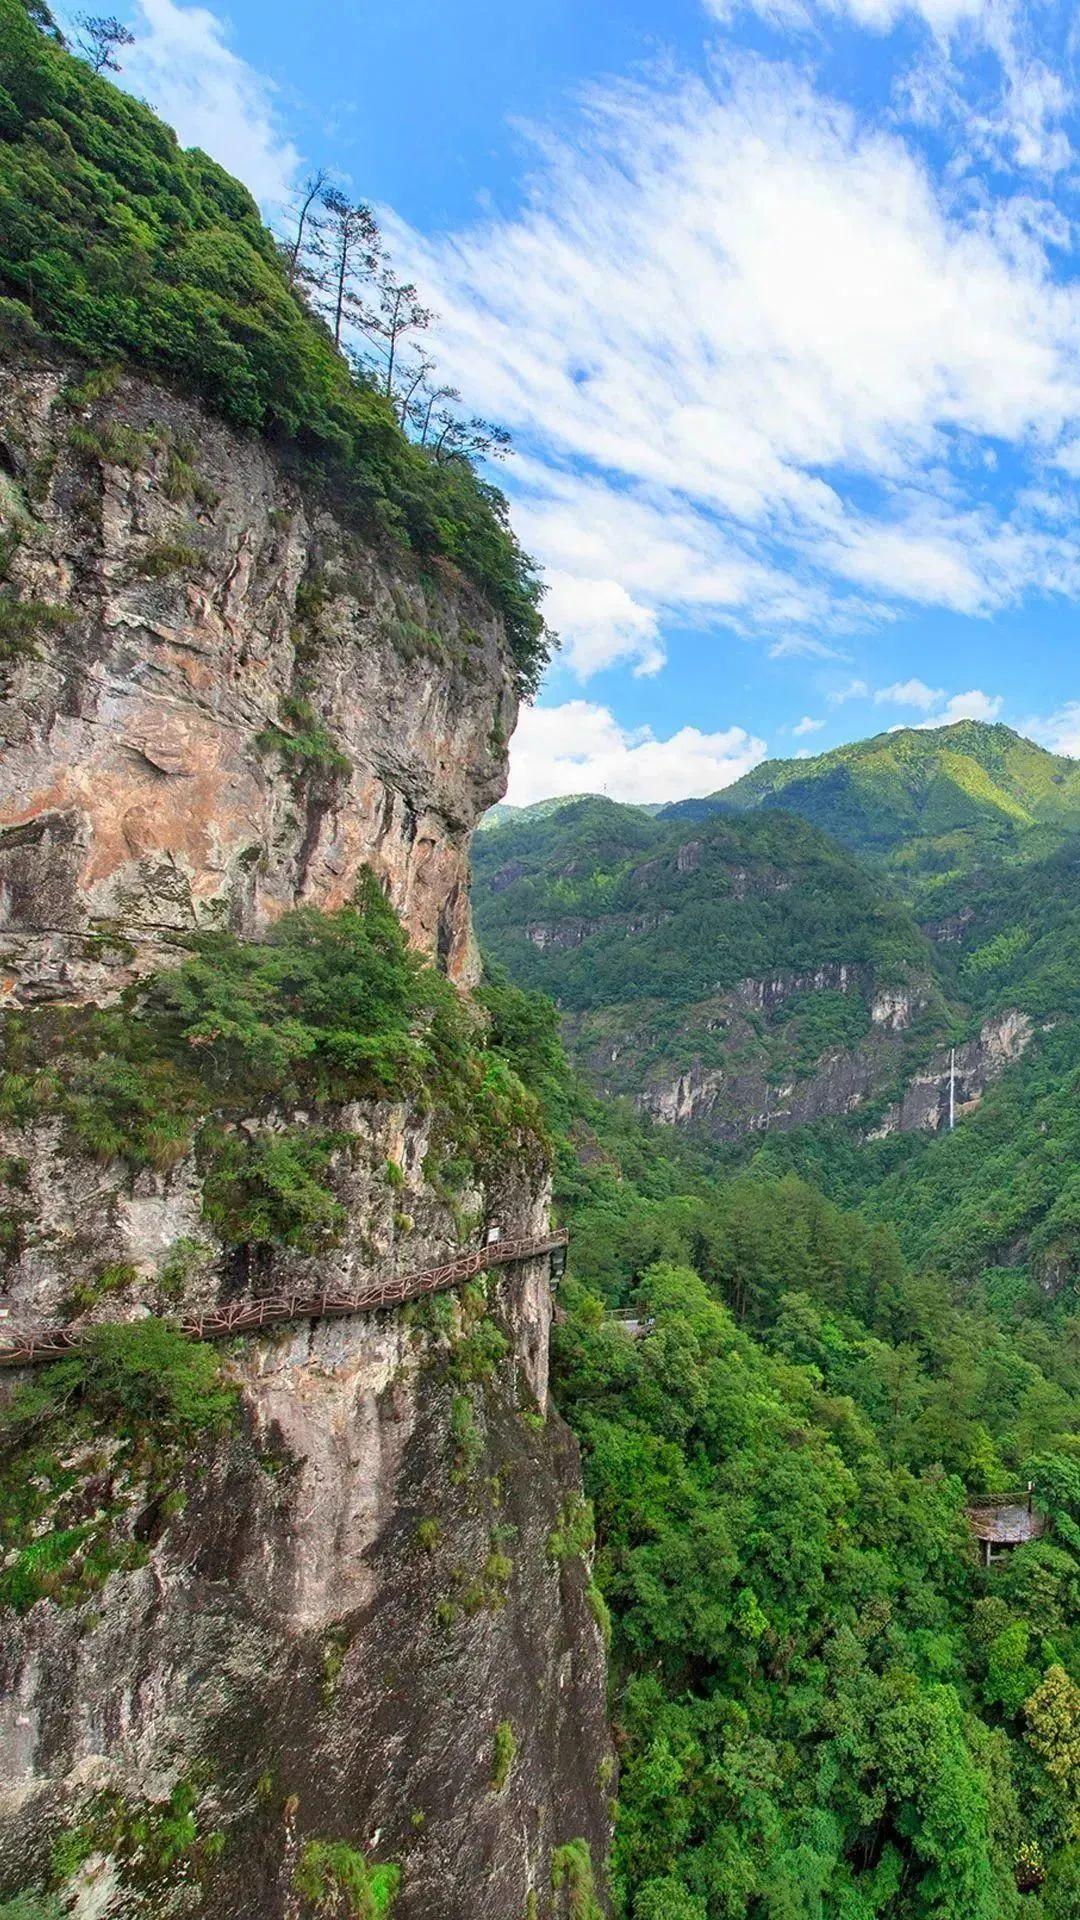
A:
(780, 303)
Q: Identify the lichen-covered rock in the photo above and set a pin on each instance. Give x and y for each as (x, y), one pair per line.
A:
(232, 702)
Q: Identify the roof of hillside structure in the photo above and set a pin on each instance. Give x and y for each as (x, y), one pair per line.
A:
(1008, 1525)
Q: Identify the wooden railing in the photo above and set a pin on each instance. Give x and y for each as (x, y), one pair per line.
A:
(247, 1316)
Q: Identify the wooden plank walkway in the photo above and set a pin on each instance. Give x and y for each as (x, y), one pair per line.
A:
(247, 1316)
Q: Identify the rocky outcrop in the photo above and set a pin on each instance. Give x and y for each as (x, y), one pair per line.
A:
(553, 935)
(747, 1071)
(231, 702)
(327, 1639)
(358, 1617)
(954, 1080)
(730, 1101)
(344, 1600)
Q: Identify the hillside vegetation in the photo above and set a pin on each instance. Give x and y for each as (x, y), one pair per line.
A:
(823, 1705)
(756, 946)
(998, 1201)
(928, 800)
(122, 247)
(656, 910)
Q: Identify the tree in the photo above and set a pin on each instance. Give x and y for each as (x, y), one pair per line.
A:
(348, 254)
(98, 38)
(296, 251)
(472, 439)
(399, 312)
(1053, 1729)
(430, 412)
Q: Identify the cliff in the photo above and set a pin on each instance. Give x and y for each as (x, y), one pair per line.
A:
(336, 1648)
(222, 701)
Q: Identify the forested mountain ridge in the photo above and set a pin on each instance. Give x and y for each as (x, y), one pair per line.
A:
(1001, 1193)
(738, 972)
(929, 800)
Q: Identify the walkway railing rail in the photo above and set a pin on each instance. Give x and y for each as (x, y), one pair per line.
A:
(247, 1316)
(990, 1502)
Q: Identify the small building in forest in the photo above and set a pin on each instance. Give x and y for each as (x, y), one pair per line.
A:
(1002, 1523)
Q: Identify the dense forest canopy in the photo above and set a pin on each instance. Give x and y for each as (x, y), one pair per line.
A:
(119, 245)
(767, 892)
(928, 800)
(825, 1706)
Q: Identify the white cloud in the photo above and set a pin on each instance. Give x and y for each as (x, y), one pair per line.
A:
(181, 63)
(1019, 116)
(807, 725)
(1059, 731)
(975, 705)
(941, 16)
(854, 690)
(600, 623)
(758, 361)
(580, 747)
(910, 693)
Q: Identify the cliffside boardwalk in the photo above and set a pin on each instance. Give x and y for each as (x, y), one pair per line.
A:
(247, 1316)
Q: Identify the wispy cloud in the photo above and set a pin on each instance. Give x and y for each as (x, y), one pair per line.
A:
(807, 725)
(182, 63)
(580, 747)
(1059, 731)
(941, 709)
(761, 361)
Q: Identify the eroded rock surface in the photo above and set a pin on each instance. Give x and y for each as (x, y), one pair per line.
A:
(348, 1611)
(233, 701)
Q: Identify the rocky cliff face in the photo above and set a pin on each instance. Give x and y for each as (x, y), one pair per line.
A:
(953, 1081)
(360, 1618)
(230, 702)
(757, 1074)
(356, 1593)
(742, 1097)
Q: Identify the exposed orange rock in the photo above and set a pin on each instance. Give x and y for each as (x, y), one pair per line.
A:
(137, 789)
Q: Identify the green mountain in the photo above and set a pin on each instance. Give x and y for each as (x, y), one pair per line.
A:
(737, 972)
(928, 800)
(504, 815)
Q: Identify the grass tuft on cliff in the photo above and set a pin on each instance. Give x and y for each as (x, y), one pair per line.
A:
(121, 246)
(93, 1439)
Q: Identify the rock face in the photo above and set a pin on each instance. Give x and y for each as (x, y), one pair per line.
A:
(354, 1620)
(958, 1077)
(754, 1081)
(730, 1101)
(232, 702)
(329, 1637)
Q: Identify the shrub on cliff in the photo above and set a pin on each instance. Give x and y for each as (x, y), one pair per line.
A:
(332, 1007)
(92, 1457)
(119, 245)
